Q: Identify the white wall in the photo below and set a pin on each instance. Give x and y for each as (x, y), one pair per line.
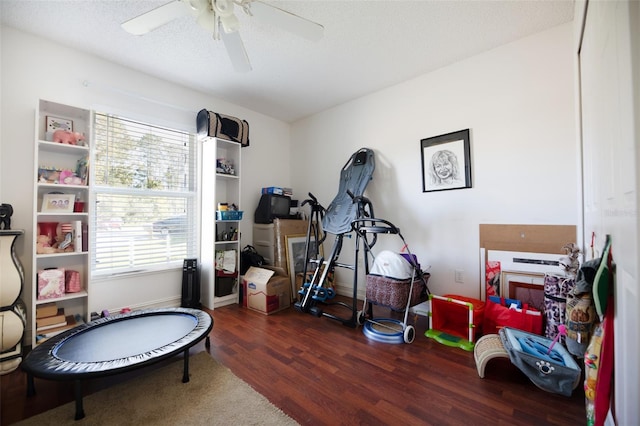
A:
(518, 102)
(34, 68)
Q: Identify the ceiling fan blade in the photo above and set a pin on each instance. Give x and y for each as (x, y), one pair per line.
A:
(230, 23)
(235, 49)
(155, 18)
(287, 21)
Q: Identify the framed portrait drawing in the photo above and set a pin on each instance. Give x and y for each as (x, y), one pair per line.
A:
(446, 161)
(296, 255)
(57, 203)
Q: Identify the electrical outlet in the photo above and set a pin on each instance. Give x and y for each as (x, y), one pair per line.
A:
(459, 276)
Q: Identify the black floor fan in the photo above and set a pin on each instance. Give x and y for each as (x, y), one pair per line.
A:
(190, 284)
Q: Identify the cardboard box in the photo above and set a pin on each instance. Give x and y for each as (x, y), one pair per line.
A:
(267, 290)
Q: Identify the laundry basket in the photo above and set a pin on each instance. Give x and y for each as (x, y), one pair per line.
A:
(393, 293)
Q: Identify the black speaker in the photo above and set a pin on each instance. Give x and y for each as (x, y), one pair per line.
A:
(190, 284)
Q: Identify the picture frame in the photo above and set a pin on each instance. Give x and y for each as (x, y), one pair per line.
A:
(296, 256)
(525, 286)
(446, 161)
(57, 203)
(57, 123)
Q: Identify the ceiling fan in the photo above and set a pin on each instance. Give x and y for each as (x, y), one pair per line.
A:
(217, 16)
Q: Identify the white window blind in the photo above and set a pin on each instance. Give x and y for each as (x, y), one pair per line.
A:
(144, 189)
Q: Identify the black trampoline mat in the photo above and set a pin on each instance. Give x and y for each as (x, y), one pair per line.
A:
(125, 338)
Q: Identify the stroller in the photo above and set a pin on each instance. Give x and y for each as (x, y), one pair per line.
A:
(395, 281)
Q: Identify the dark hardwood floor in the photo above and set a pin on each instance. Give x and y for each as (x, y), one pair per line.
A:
(321, 372)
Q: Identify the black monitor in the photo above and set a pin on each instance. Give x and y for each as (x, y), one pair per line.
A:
(272, 206)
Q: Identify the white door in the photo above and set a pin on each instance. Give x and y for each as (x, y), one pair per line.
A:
(609, 71)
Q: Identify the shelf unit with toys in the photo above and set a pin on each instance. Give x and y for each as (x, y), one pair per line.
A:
(60, 267)
(220, 222)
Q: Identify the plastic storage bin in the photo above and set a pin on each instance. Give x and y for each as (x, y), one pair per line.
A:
(225, 283)
(229, 214)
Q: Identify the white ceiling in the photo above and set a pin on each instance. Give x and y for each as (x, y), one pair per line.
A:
(367, 45)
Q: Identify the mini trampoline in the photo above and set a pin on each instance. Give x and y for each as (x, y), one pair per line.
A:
(117, 344)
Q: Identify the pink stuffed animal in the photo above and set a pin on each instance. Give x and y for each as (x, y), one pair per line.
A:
(67, 137)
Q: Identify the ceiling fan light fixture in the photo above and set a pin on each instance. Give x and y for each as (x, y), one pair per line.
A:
(223, 7)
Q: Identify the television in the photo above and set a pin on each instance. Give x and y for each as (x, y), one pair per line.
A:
(272, 206)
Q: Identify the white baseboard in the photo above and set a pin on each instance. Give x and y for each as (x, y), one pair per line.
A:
(170, 302)
(347, 291)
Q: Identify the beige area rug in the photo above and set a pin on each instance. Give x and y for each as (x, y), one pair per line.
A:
(213, 396)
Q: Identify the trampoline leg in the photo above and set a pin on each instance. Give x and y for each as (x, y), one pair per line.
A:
(31, 387)
(79, 409)
(185, 376)
(207, 342)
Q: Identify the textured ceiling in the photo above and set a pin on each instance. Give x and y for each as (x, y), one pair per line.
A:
(367, 45)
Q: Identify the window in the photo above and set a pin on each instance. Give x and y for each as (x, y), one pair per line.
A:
(144, 189)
